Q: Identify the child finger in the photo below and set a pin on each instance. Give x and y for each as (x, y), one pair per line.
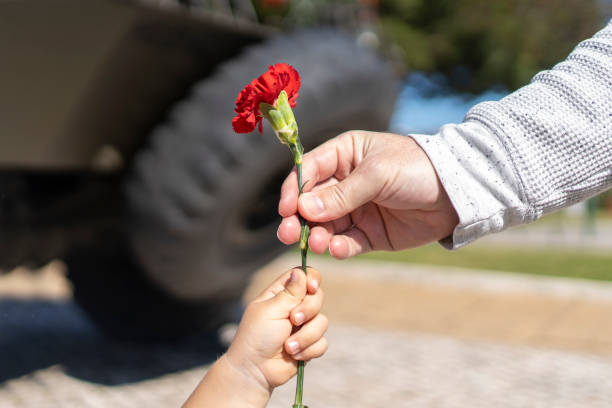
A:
(307, 335)
(314, 280)
(293, 293)
(309, 308)
(277, 286)
(314, 351)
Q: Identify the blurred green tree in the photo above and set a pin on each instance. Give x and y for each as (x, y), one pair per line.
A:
(479, 44)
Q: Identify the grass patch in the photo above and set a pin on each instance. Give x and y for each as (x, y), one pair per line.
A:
(573, 264)
(564, 218)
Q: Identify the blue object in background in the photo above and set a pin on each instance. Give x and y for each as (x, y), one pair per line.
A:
(426, 103)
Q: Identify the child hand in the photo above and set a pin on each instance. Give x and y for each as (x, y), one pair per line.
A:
(266, 346)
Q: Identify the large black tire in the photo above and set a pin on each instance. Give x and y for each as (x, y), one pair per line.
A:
(202, 201)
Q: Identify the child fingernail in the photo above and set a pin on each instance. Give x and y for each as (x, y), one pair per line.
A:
(298, 317)
(293, 276)
(293, 346)
(314, 284)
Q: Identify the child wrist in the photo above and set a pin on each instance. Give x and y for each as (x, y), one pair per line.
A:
(248, 372)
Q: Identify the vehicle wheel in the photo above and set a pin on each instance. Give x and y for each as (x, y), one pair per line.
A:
(112, 288)
(201, 201)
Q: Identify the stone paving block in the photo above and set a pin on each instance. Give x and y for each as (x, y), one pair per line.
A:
(367, 368)
(428, 338)
(394, 369)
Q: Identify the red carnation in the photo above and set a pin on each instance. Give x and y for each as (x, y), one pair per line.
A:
(272, 96)
(264, 89)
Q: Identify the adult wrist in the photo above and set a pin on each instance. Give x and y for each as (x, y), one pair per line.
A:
(478, 177)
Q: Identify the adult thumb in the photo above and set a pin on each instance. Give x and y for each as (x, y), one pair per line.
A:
(293, 292)
(338, 199)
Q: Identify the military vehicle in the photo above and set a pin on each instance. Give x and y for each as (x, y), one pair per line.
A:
(118, 157)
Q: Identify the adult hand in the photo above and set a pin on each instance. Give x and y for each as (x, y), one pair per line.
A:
(366, 191)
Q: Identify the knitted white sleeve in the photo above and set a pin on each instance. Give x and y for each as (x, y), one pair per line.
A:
(541, 148)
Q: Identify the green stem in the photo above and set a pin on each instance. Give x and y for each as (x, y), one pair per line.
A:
(304, 233)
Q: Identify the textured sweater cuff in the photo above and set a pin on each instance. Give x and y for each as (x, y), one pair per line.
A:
(479, 179)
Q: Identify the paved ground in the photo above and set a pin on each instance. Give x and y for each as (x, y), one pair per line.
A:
(400, 336)
(373, 369)
(501, 307)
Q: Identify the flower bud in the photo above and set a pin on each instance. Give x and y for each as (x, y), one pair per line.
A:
(282, 104)
(286, 132)
(275, 118)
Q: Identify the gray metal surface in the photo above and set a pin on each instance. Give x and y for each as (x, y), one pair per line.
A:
(80, 78)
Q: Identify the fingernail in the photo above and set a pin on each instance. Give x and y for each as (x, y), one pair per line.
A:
(293, 276)
(313, 204)
(298, 317)
(314, 284)
(293, 346)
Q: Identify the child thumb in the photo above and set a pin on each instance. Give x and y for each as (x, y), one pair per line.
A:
(294, 290)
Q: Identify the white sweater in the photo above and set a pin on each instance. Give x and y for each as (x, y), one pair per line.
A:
(542, 148)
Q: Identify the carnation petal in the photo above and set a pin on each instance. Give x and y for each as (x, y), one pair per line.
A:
(264, 88)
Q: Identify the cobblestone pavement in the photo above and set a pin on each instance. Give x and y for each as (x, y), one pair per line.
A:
(382, 369)
(367, 368)
(400, 337)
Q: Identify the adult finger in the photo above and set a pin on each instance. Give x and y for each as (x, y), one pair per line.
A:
(287, 204)
(339, 199)
(320, 235)
(288, 231)
(350, 243)
(319, 164)
(307, 335)
(308, 309)
(318, 241)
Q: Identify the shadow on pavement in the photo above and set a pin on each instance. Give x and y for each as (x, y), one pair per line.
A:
(36, 334)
